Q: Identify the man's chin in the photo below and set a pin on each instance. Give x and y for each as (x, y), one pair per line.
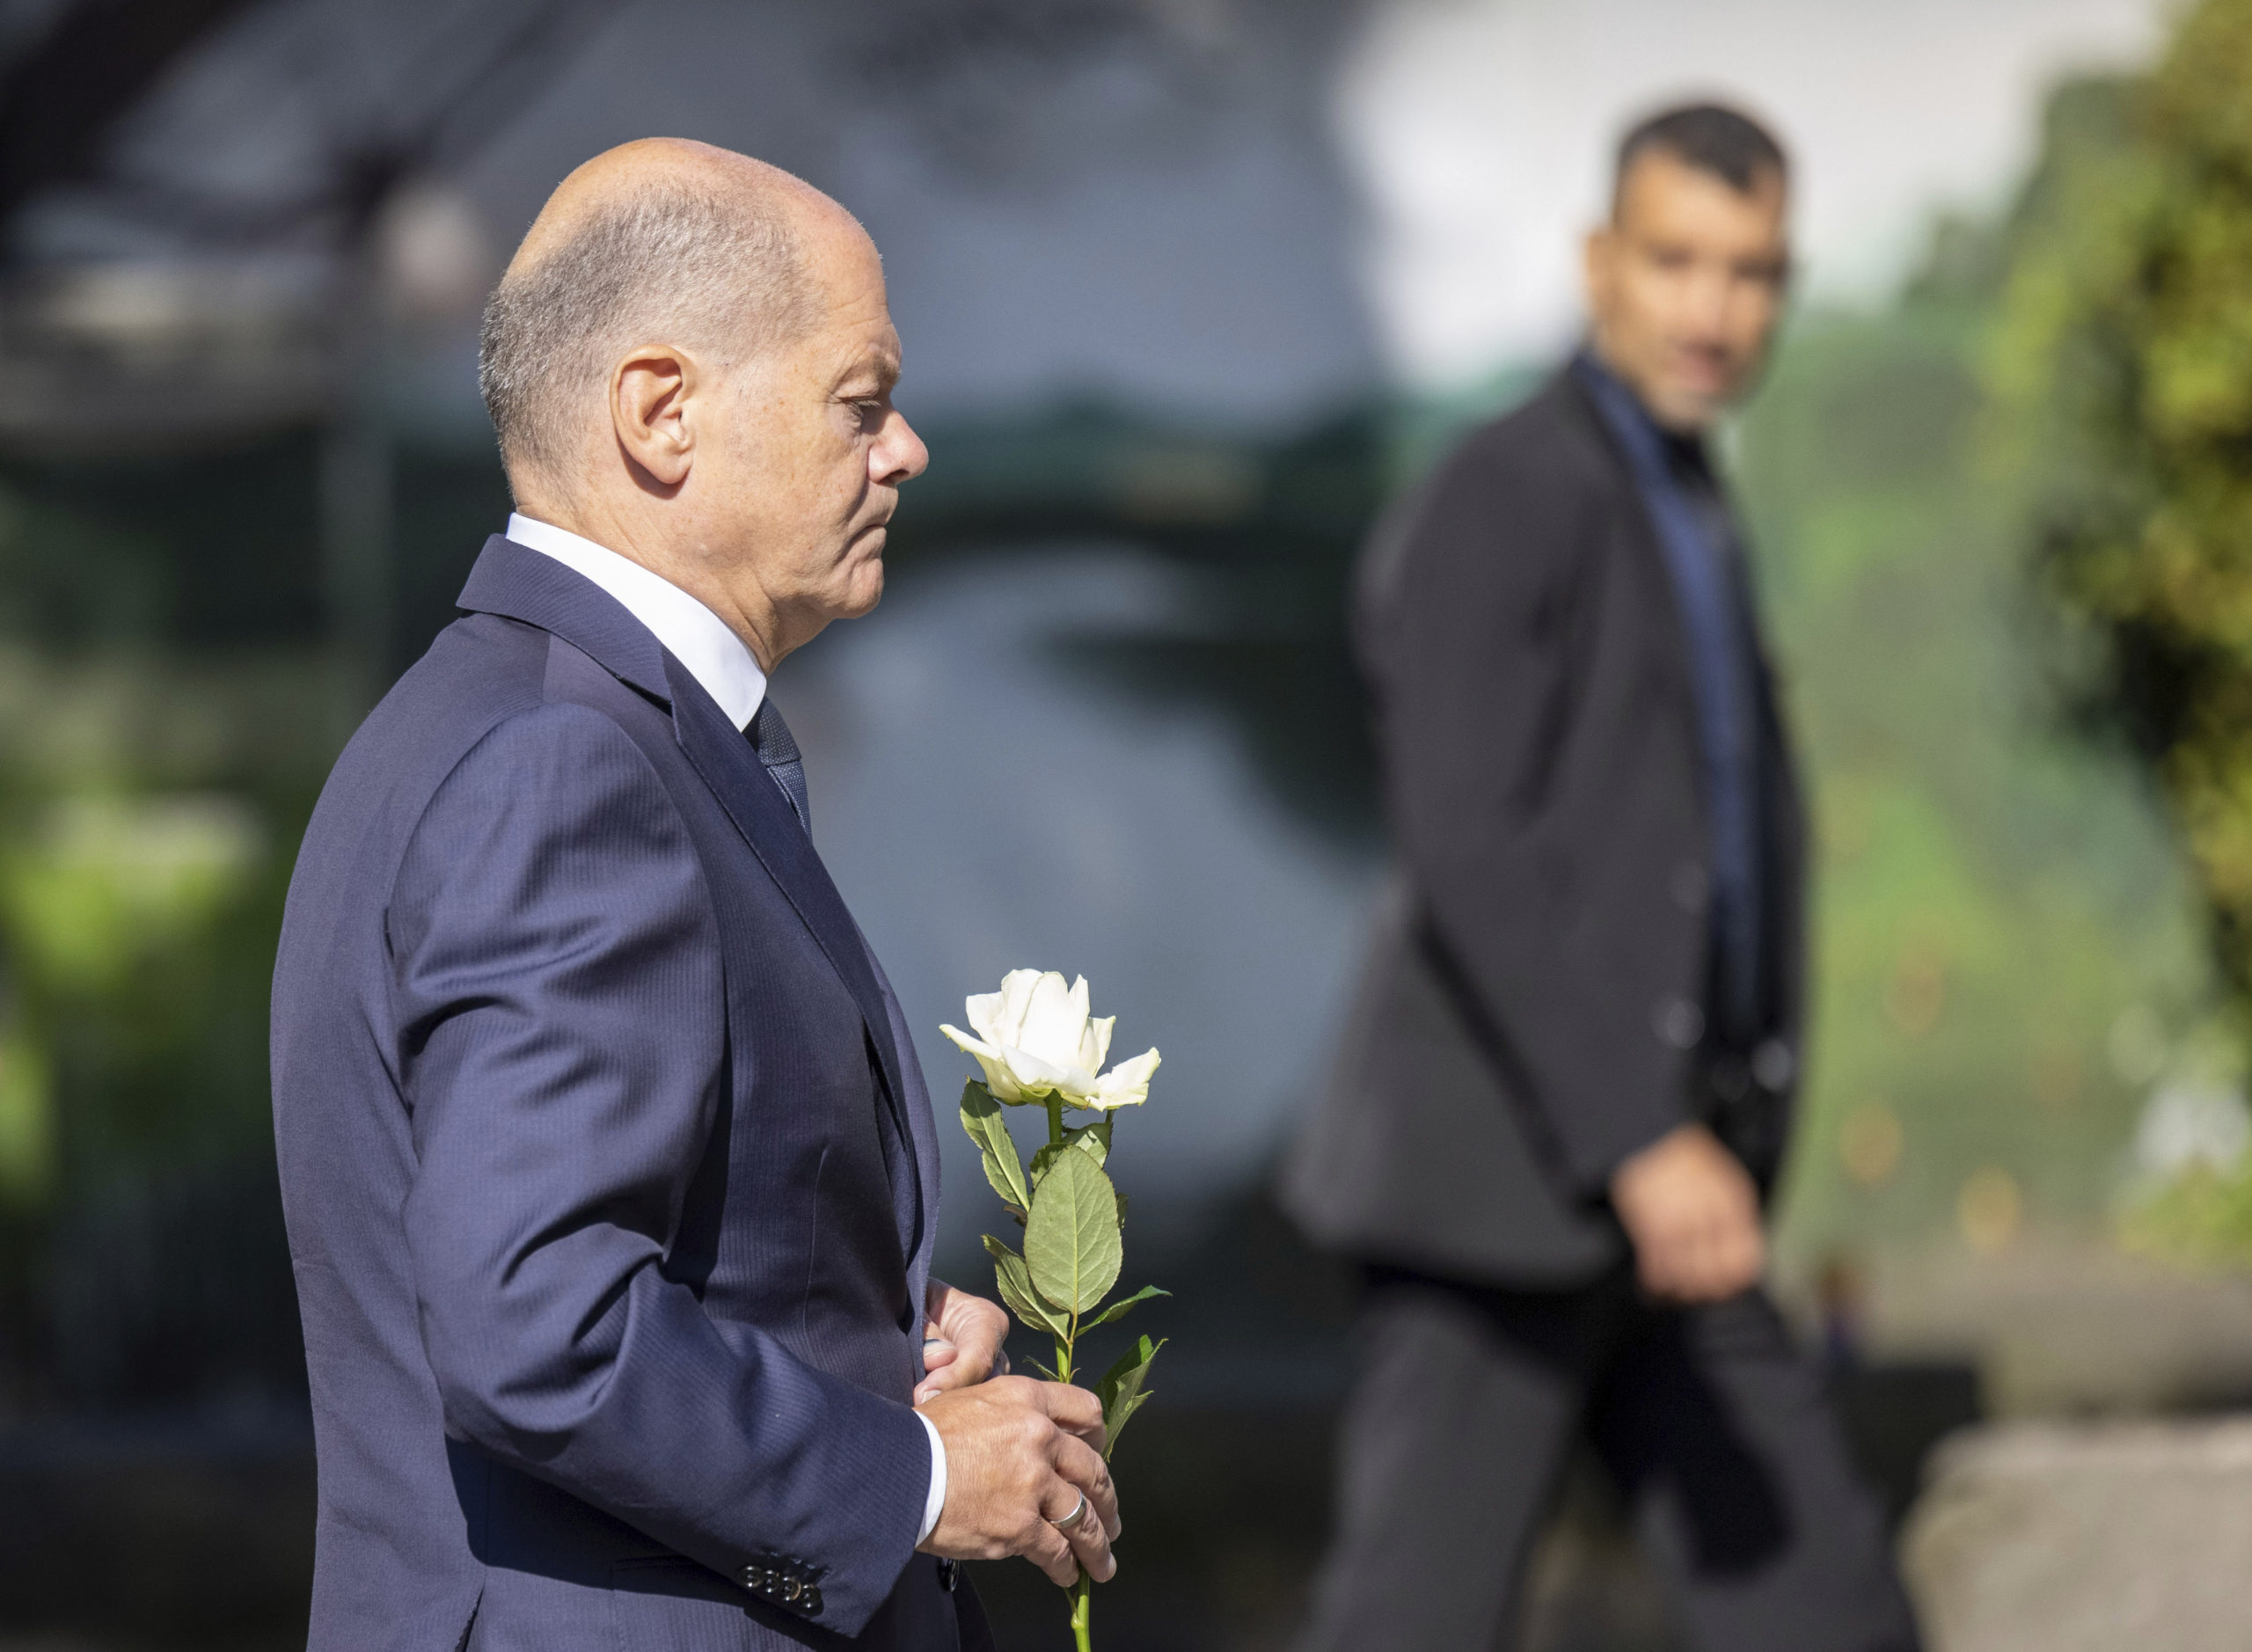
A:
(1689, 413)
(866, 589)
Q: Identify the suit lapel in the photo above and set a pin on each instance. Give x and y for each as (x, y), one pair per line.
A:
(923, 1127)
(724, 757)
(519, 583)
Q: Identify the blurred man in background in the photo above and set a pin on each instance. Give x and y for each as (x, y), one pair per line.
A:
(1567, 1080)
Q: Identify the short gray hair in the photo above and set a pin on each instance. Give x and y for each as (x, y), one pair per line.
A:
(694, 267)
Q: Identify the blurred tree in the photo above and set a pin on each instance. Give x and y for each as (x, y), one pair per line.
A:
(1994, 895)
(2123, 372)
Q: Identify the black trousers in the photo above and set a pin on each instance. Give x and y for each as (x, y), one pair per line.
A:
(1712, 1423)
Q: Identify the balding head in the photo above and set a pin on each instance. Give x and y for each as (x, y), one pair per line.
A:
(689, 362)
(662, 239)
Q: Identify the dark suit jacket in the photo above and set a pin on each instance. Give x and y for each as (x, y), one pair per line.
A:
(609, 1174)
(1533, 1009)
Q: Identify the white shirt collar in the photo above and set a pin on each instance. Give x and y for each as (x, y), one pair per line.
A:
(697, 638)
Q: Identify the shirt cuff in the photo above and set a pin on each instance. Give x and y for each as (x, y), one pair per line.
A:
(935, 1500)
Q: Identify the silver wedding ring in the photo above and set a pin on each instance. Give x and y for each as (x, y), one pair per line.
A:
(1070, 1522)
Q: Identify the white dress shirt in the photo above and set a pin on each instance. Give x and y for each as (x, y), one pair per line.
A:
(719, 660)
(698, 638)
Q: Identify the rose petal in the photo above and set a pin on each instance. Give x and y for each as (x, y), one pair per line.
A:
(1094, 1043)
(1039, 1077)
(984, 1010)
(1017, 990)
(1053, 1021)
(999, 1079)
(1127, 1084)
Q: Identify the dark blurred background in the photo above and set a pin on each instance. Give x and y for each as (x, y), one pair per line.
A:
(1188, 288)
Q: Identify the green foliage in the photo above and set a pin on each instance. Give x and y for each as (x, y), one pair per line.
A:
(1991, 891)
(1014, 1278)
(1071, 1241)
(1120, 1390)
(2123, 367)
(149, 808)
(27, 1122)
(2124, 364)
(982, 1120)
(1125, 1305)
(1092, 1139)
(2203, 1217)
(1073, 1247)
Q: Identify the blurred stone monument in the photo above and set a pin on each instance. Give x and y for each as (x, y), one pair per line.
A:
(2052, 1537)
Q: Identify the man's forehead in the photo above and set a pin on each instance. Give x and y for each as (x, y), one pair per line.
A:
(856, 311)
(1659, 179)
(852, 336)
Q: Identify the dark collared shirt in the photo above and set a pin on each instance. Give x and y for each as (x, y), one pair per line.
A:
(1696, 534)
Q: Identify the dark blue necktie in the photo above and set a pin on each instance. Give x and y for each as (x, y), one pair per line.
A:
(770, 738)
(777, 749)
(1696, 539)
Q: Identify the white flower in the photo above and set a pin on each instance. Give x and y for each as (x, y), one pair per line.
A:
(1034, 1039)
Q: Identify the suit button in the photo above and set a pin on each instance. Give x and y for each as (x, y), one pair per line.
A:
(1689, 885)
(1773, 1066)
(1679, 1023)
(947, 1576)
(1731, 1080)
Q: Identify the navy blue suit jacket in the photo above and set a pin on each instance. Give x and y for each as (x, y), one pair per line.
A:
(610, 1172)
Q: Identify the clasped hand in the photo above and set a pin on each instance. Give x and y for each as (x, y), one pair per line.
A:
(1689, 1206)
(1021, 1454)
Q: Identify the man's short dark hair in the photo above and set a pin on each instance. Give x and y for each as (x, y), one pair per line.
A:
(675, 263)
(1711, 137)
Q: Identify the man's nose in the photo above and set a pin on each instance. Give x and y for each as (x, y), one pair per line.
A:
(899, 455)
(1705, 313)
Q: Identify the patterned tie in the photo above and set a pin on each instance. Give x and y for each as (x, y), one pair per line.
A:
(770, 737)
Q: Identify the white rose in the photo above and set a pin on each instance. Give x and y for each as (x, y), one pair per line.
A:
(1035, 1039)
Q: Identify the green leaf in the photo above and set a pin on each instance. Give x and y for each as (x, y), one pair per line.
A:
(981, 1117)
(1015, 1281)
(1071, 1241)
(1093, 1139)
(1127, 1367)
(1120, 1390)
(1046, 1375)
(1120, 1310)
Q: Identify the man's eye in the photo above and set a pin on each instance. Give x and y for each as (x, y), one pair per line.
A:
(871, 413)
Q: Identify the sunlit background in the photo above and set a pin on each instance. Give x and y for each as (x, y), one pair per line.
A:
(1188, 288)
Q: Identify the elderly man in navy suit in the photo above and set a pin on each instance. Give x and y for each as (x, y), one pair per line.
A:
(609, 1174)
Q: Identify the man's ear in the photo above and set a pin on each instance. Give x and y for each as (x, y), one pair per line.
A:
(652, 391)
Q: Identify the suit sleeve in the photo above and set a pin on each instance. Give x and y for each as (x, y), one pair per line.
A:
(1478, 641)
(556, 962)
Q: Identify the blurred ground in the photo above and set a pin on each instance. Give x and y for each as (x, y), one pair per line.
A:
(2050, 1537)
(155, 1536)
(2061, 1328)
